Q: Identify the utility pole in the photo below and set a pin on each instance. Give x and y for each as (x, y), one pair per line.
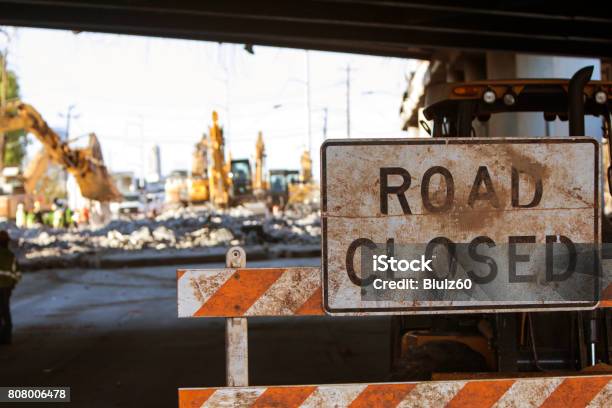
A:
(69, 116)
(308, 105)
(348, 100)
(325, 123)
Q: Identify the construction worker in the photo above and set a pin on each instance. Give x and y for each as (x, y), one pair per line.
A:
(37, 215)
(68, 215)
(58, 216)
(9, 276)
(20, 216)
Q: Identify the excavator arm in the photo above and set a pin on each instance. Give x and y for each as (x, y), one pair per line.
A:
(34, 171)
(86, 165)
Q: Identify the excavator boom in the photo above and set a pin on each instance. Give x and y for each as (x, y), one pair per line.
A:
(86, 165)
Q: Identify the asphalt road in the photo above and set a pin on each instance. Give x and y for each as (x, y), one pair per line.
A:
(114, 338)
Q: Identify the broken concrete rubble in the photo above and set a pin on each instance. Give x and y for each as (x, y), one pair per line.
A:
(182, 229)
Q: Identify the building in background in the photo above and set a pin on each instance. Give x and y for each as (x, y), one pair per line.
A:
(154, 174)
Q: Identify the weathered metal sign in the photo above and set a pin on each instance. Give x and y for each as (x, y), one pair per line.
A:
(456, 225)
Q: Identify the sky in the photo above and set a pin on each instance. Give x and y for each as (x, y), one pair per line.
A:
(135, 92)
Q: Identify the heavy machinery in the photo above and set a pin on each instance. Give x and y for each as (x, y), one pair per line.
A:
(242, 181)
(219, 180)
(260, 184)
(304, 191)
(85, 164)
(281, 181)
(292, 187)
(215, 179)
(21, 186)
(198, 179)
(425, 346)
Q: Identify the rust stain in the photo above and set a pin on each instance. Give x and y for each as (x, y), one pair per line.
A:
(283, 397)
(313, 306)
(480, 393)
(204, 286)
(382, 395)
(575, 392)
(194, 398)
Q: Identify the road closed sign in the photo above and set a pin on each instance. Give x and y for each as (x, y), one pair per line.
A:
(459, 225)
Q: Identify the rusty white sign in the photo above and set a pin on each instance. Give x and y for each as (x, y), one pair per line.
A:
(479, 193)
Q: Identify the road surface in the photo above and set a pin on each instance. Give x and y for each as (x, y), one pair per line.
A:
(114, 338)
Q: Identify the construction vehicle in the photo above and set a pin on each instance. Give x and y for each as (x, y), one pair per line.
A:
(219, 180)
(466, 353)
(223, 182)
(425, 346)
(281, 181)
(21, 186)
(85, 164)
(260, 184)
(304, 191)
(293, 188)
(182, 187)
(242, 181)
(198, 179)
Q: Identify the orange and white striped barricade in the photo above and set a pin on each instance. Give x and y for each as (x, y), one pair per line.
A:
(587, 391)
(237, 292)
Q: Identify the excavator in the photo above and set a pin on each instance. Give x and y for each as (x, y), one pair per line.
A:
(198, 180)
(234, 181)
(212, 176)
(305, 191)
(85, 164)
(220, 181)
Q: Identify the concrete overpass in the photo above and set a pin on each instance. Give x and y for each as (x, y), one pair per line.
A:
(402, 28)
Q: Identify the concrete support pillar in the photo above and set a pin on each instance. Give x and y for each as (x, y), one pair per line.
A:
(503, 65)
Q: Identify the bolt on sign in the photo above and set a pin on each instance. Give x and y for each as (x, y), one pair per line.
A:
(460, 225)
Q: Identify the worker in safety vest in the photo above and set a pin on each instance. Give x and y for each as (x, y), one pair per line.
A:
(9, 276)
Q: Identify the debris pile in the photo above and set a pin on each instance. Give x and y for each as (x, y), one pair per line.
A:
(184, 228)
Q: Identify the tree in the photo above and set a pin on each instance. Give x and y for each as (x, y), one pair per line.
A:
(12, 144)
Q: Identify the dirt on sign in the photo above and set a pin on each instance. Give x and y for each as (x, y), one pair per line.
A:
(529, 199)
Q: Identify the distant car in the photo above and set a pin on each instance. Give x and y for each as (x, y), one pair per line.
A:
(155, 203)
(131, 204)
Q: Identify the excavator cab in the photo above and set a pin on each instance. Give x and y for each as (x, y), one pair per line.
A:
(242, 179)
(280, 180)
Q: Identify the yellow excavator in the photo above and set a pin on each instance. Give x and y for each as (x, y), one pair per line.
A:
(260, 184)
(198, 180)
(305, 190)
(220, 181)
(85, 164)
